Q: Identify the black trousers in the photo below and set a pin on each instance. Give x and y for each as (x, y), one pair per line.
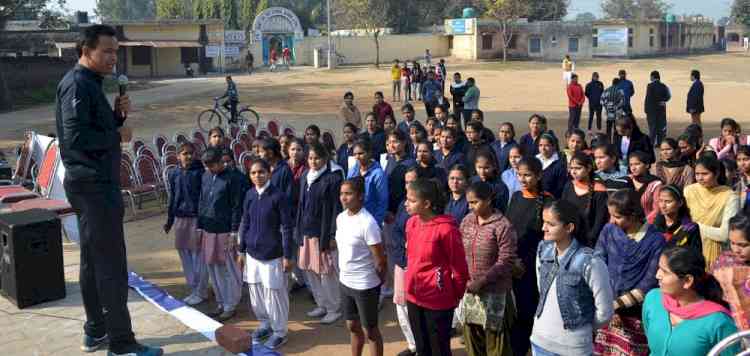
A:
(574, 118)
(429, 109)
(432, 330)
(657, 126)
(595, 111)
(231, 105)
(610, 130)
(467, 116)
(104, 272)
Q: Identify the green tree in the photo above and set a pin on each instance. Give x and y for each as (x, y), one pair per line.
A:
(585, 17)
(507, 12)
(247, 13)
(635, 9)
(207, 9)
(262, 5)
(368, 15)
(229, 14)
(116, 10)
(547, 10)
(741, 12)
(170, 9)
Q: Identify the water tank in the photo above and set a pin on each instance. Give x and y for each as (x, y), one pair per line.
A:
(670, 18)
(469, 13)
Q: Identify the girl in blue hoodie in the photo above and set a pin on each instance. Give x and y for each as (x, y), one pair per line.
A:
(182, 214)
(376, 182)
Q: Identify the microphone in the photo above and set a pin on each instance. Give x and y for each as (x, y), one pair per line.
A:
(122, 80)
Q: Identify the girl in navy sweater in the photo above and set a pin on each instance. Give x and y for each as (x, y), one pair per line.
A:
(316, 226)
(281, 175)
(486, 168)
(427, 166)
(219, 215)
(554, 174)
(345, 150)
(266, 243)
(458, 181)
(182, 214)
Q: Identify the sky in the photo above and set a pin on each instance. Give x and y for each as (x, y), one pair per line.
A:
(712, 8)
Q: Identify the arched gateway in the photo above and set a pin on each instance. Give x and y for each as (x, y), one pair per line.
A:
(277, 27)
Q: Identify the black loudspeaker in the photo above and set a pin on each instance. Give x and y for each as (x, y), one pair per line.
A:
(31, 258)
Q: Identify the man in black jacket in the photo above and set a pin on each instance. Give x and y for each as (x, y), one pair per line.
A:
(695, 98)
(657, 96)
(594, 90)
(90, 132)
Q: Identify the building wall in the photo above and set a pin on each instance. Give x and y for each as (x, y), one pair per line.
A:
(168, 32)
(464, 47)
(361, 49)
(554, 37)
(168, 62)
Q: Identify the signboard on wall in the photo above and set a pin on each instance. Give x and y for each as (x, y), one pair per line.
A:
(231, 51)
(212, 51)
(612, 41)
(459, 26)
(234, 37)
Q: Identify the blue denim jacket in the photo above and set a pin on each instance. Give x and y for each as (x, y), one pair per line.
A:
(573, 294)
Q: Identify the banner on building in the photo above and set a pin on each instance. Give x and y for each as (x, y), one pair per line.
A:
(612, 42)
(212, 51)
(459, 26)
(231, 51)
(234, 37)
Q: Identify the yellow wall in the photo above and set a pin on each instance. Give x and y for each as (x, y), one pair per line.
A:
(168, 62)
(361, 49)
(464, 46)
(168, 32)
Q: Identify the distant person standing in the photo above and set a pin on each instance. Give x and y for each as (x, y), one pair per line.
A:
(427, 56)
(575, 102)
(431, 91)
(286, 54)
(568, 67)
(695, 98)
(458, 89)
(612, 100)
(274, 56)
(628, 90)
(443, 73)
(406, 81)
(470, 99)
(396, 81)
(349, 113)
(593, 92)
(657, 96)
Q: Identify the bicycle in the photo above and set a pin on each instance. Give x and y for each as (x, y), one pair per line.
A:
(216, 116)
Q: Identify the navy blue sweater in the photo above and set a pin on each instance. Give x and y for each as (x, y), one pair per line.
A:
(342, 157)
(377, 139)
(396, 170)
(184, 192)
(220, 208)
(283, 179)
(319, 206)
(500, 200)
(555, 177)
(502, 153)
(455, 156)
(267, 225)
(457, 208)
(396, 245)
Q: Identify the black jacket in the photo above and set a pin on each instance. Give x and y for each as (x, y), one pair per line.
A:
(220, 207)
(319, 206)
(87, 130)
(695, 98)
(656, 92)
(638, 142)
(594, 90)
(184, 192)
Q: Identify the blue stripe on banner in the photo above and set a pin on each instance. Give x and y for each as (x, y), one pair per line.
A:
(162, 300)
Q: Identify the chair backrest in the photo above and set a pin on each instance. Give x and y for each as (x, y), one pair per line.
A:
(273, 127)
(127, 176)
(227, 141)
(251, 130)
(238, 147)
(180, 137)
(23, 161)
(145, 169)
(245, 161)
(159, 142)
(137, 144)
(47, 169)
(234, 130)
(170, 159)
(244, 137)
(288, 130)
(128, 157)
(263, 133)
(146, 151)
(169, 147)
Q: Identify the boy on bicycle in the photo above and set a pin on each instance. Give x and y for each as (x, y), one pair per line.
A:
(233, 98)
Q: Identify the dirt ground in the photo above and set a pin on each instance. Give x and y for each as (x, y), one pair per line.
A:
(510, 92)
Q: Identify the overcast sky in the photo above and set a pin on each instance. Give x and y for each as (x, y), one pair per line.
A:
(712, 8)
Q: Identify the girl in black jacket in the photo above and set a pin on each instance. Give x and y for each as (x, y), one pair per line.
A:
(635, 140)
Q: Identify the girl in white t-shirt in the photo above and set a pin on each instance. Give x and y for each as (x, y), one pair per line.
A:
(362, 268)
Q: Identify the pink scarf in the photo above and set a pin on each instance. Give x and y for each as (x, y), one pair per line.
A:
(692, 311)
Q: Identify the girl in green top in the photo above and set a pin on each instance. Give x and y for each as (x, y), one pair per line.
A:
(686, 314)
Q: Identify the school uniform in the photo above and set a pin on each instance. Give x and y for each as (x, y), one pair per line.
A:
(182, 213)
(472, 150)
(396, 170)
(457, 208)
(266, 240)
(282, 178)
(219, 215)
(454, 157)
(396, 250)
(500, 198)
(319, 206)
(376, 189)
(502, 152)
(554, 175)
(435, 172)
(377, 139)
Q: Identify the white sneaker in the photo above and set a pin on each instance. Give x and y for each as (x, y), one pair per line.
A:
(330, 318)
(194, 300)
(189, 297)
(318, 312)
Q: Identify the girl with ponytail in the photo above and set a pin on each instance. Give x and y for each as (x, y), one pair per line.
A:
(686, 315)
(588, 196)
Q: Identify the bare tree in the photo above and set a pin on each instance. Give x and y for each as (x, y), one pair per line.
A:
(507, 12)
(368, 15)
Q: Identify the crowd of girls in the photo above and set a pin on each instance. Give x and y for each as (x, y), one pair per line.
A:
(589, 247)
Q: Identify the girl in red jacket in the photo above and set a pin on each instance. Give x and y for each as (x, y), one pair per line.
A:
(437, 272)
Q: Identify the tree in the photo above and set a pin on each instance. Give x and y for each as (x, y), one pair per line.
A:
(635, 9)
(507, 12)
(117, 10)
(547, 10)
(247, 13)
(262, 6)
(230, 15)
(170, 9)
(207, 9)
(368, 15)
(585, 17)
(741, 12)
